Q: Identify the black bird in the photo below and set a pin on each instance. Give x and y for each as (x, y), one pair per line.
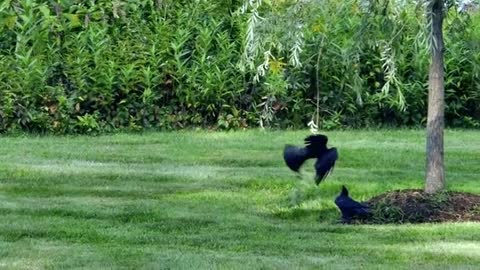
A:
(349, 207)
(315, 147)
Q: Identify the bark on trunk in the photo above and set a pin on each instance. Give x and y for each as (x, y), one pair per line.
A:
(435, 172)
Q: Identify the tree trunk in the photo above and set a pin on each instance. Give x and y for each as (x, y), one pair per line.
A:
(435, 171)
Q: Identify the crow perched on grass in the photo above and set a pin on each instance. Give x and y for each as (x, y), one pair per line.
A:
(349, 207)
(315, 147)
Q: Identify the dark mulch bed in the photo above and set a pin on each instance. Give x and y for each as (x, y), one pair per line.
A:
(415, 206)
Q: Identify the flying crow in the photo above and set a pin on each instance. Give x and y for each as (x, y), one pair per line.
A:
(349, 207)
(315, 147)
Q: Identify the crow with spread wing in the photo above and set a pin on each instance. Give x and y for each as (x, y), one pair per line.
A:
(315, 147)
(349, 207)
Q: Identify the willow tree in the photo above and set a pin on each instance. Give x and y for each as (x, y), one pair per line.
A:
(435, 170)
(278, 24)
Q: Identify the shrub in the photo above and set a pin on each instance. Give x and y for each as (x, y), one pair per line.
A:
(75, 66)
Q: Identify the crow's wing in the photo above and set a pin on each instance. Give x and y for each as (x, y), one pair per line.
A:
(325, 164)
(350, 207)
(362, 211)
(316, 145)
(294, 156)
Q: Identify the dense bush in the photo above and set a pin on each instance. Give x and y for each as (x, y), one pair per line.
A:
(75, 66)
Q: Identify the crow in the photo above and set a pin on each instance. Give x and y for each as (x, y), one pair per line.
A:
(349, 207)
(315, 147)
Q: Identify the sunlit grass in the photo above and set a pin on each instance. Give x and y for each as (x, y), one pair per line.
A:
(221, 200)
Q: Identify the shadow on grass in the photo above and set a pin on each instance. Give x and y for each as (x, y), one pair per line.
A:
(331, 214)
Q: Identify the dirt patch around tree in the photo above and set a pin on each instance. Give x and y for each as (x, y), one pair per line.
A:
(415, 206)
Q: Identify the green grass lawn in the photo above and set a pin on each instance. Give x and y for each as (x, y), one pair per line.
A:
(221, 200)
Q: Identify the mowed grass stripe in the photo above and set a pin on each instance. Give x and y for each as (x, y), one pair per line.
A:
(221, 200)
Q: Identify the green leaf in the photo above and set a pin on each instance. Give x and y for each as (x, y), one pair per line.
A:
(44, 10)
(5, 5)
(74, 20)
(10, 22)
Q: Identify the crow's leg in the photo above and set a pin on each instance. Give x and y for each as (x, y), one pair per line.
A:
(346, 219)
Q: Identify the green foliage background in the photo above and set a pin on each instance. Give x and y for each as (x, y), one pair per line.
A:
(93, 66)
